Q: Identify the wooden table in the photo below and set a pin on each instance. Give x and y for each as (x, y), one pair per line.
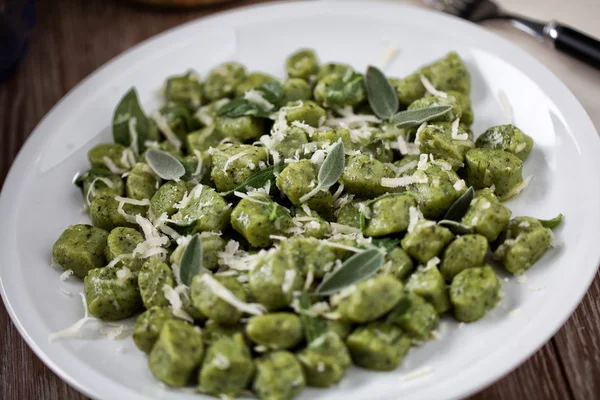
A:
(74, 37)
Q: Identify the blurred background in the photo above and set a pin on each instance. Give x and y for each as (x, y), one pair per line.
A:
(49, 46)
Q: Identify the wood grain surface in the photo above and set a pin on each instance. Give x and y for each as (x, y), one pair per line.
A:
(72, 39)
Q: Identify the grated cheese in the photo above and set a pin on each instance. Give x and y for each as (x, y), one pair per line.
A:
(310, 131)
(112, 166)
(340, 228)
(65, 275)
(405, 147)
(133, 135)
(518, 188)
(226, 295)
(455, 135)
(415, 215)
(235, 157)
(221, 361)
(124, 274)
(404, 180)
(256, 97)
(65, 291)
(164, 127)
(310, 276)
(175, 300)
(418, 373)
(92, 189)
(521, 147)
(459, 185)
(431, 89)
(75, 329)
(288, 280)
(389, 54)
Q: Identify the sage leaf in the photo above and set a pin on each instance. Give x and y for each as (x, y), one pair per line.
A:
(552, 223)
(381, 94)
(455, 227)
(410, 118)
(459, 208)
(313, 326)
(191, 260)
(330, 171)
(127, 110)
(355, 269)
(256, 180)
(164, 165)
(240, 107)
(345, 90)
(272, 92)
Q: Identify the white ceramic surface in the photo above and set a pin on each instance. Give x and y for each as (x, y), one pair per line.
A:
(38, 200)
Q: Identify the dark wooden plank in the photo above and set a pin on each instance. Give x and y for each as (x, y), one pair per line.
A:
(540, 377)
(75, 37)
(578, 346)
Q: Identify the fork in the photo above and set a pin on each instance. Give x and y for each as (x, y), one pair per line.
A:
(565, 39)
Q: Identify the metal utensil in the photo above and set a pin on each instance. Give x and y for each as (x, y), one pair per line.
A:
(566, 39)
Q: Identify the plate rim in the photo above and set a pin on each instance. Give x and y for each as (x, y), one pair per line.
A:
(533, 344)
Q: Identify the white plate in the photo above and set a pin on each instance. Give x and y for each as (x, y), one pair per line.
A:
(38, 200)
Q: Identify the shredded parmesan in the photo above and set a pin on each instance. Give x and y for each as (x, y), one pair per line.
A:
(75, 329)
(418, 373)
(521, 147)
(518, 188)
(173, 297)
(235, 157)
(310, 131)
(226, 295)
(110, 164)
(164, 127)
(405, 147)
(459, 185)
(389, 54)
(288, 280)
(431, 89)
(455, 134)
(65, 275)
(404, 180)
(256, 97)
(415, 215)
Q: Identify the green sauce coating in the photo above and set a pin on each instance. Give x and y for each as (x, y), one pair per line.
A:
(148, 325)
(141, 182)
(398, 264)
(473, 292)
(524, 241)
(437, 194)
(111, 297)
(259, 218)
(302, 64)
(278, 376)
(122, 241)
(111, 151)
(508, 138)
(213, 331)
(415, 316)
(426, 102)
(227, 172)
(299, 178)
(296, 89)
(312, 224)
(464, 252)
(266, 281)
(446, 74)
(207, 211)
(153, 276)
(349, 215)
(176, 353)
(292, 143)
(429, 283)
(104, 212)
(487, 167)
(223, 79)
(80, 248)
(252, 81)
(371, 299)
(203, 139)
(426, 241)
(308, 254)
(165, 198)
(436, 139)
(242, 128)
(279, 331)
(307, 111)
(389, 214)
(362, 176)
(325, 360)
(486, 215)
(212, 305)
(227, 367)
(378, 346)
(98, 177)
(184, 90)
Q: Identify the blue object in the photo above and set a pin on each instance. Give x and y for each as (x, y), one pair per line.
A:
(17, 18)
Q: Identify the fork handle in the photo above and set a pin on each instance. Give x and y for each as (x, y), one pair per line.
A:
(574, 43)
